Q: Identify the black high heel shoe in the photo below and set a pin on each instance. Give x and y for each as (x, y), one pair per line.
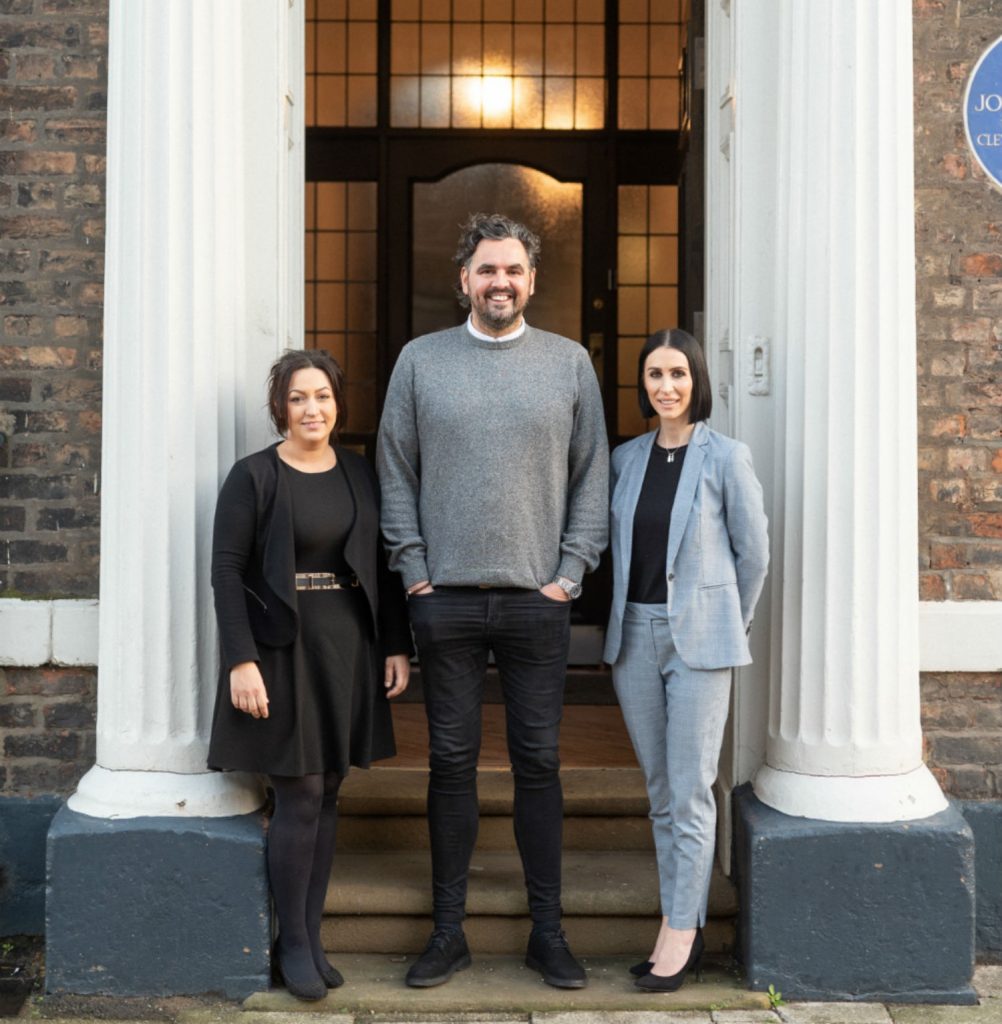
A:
(644, 967)
(673, 982)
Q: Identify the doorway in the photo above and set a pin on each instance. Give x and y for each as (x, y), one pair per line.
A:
(569, 114)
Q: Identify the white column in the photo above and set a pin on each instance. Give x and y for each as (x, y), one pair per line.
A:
(844, 738)
(197, 303)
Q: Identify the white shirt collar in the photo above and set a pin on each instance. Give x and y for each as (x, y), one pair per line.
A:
(517, 333)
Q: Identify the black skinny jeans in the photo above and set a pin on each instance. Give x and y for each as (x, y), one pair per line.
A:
(455, 629)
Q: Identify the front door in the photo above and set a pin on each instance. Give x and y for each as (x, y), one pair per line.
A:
(563, 113)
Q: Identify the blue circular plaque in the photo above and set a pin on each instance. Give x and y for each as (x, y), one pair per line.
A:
(983, 111)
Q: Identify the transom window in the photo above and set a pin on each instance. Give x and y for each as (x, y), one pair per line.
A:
(506, 64)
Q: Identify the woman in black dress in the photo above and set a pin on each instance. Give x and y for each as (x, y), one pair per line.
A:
(314, 637)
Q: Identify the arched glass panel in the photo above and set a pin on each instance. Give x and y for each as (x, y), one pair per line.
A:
(549, 207)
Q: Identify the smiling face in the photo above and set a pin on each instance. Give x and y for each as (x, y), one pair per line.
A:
(668, 383)
(498, 281)
(310, 408)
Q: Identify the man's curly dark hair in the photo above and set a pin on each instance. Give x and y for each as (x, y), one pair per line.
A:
(496, 227)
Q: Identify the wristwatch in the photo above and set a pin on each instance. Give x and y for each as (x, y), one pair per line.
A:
(569, 587)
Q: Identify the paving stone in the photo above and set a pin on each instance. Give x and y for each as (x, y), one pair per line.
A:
(621, 1017)
(988, 981)
(989, 1012)
(745, 1017)
(250, 1017)
(481, 1017)
(834, 1013)
(442, 1018)
(231, 1014)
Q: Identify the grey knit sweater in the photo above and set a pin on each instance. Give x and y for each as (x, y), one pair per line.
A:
(493, 461)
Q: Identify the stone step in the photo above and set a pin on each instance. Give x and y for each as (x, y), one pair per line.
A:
(358, 833)
(495, 985)
(595, 883)
(594, 792)
(381, 903)
(589, 935)
(379, 899)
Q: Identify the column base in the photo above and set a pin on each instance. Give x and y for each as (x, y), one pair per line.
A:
(902, 797)
(157, 906)
(856, 911)
(123, 793)
(985, 819)
(23, 826)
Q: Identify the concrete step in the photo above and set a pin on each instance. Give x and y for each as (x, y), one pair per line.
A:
(379, 899)
(358, 833)
(589, 935)
(588, 792)
(381, 902)
(595, 882)
(495, 985)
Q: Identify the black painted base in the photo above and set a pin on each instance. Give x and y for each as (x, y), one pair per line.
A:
(985, 819)
(23, 826)
(847, 911)
(157, 906)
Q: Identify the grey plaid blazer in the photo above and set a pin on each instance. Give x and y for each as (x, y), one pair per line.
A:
(718, 547)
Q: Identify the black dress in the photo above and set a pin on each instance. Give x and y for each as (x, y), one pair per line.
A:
(326, 708)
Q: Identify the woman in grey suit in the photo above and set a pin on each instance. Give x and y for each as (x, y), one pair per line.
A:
(690, 553)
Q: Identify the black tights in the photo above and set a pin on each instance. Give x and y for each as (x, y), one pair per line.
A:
(300, 851)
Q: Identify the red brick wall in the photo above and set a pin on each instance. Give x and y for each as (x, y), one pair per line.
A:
(962, 723)
(959, 298)
(46, 729)
(52, 136)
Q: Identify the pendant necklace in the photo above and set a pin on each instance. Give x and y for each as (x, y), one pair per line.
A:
(670, 457)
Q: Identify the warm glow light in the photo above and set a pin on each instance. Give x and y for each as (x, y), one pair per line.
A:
(496, 96)
(488, 98)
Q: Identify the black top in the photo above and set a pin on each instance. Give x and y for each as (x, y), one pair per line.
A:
(651, 520)
(323, 512)
(254, 559)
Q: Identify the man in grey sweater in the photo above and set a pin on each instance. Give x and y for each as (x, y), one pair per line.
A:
(493, 461)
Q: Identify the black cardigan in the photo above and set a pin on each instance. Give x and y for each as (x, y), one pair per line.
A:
(253, 559)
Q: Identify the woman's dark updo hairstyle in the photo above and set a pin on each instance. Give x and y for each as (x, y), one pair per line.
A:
(280, 378)
(702, 396)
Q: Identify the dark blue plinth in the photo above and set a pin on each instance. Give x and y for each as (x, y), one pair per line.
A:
(23, 826)
(847, 911)
(985, 819)
(156, 906)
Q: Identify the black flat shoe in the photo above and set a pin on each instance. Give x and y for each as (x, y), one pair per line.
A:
(299, 974)
(673, 982)
(330, 975)
(644, 967)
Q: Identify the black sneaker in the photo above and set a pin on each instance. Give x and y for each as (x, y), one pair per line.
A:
(549, 954)
(445, 954)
